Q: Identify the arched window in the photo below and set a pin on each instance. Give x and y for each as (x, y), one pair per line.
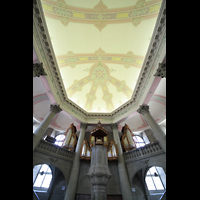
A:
(42, 176)
(138, 141)
(59, 139)
(156, 180)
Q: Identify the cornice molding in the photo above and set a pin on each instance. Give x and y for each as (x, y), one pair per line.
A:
(53, 70)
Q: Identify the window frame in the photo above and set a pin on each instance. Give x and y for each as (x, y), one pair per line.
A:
(159, 191)
(42, 189)
(133, 135)
(60, 140)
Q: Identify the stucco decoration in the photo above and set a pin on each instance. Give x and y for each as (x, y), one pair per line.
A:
(38, 70)
(161, 71)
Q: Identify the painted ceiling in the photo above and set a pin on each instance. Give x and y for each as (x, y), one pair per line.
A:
(100, 46)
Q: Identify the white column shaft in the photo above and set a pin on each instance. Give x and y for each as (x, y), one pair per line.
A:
(159, 134)
(123, 175)
(73, 180)
(39, 132)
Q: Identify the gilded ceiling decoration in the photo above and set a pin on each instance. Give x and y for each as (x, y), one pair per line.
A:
(71, 59)
(100, 15)
(99, 75)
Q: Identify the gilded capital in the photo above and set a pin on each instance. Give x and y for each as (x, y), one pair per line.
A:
(38, 70)
(114, 126)
(55, 108)
(143, 109)
(83, 125)
(161, 71)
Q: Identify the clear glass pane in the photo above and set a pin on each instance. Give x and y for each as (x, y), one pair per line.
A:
(47, 181)
(150, 183)
(39, 180)
(153, 170)
(49, 170)
(140, 144)
(158, 183)
(148, 173)
(44, 168)
(135, 138)
(59, 140)
(36, 169)
(58, 143)
(162, 175)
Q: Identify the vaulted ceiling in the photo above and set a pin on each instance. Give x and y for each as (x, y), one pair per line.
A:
(100, 47)
(103, 54)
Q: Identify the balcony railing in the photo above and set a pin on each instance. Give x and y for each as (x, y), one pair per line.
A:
(148, 150)
(54, 150)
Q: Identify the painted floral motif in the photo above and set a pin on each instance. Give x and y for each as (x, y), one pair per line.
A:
(100, 15)
(136, 21)
(100, 7)
(99, 76)
(64, 20)
(100, 24)
(128, 60)
(140, 3)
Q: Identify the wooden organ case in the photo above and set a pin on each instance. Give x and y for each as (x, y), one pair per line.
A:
(127, 141)
(98, 136)
(71, 138)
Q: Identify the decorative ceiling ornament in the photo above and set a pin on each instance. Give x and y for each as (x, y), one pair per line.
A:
(140, 3)
(128, 60)
(137, 21)
(100, 15)
(64, 20)
(100, 24)
(100, 7)
(43, 47)
(99, 75)
(62, 4)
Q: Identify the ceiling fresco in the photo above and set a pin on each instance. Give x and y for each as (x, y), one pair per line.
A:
(100, 47)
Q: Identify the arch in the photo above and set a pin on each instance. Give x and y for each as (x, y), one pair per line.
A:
(155, 181)
(58, 182)
(137, 186)
(54, 163)
(42, 178)
(157, 160)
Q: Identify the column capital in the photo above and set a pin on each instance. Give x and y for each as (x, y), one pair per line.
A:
(143, 109)
(114, 126)
(55, 108)
(83, 125)
(38, 69)
(161, 71)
